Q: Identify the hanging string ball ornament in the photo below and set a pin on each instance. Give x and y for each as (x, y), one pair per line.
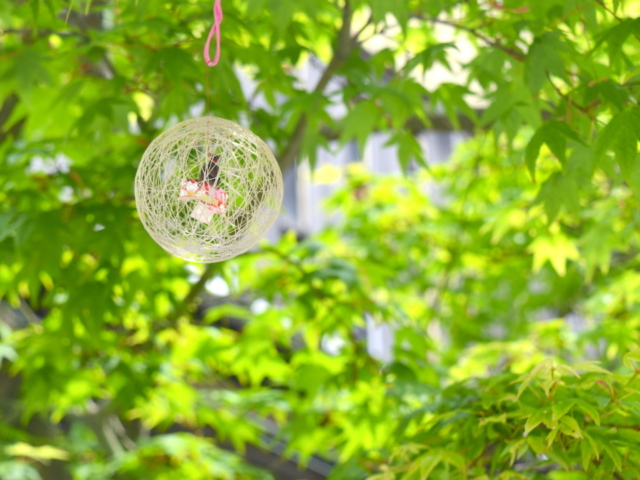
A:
(208, 189)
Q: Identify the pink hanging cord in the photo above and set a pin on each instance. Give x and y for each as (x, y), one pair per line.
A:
(215, 30)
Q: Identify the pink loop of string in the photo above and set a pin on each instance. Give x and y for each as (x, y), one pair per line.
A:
(215, 30)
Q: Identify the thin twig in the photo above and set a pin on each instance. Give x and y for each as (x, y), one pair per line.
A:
(509, 51)
(603, 5)
(42, 32)
(570, 102)
(361, 31)
(286, 259)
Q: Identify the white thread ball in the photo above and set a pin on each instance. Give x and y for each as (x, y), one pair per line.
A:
(208, 189)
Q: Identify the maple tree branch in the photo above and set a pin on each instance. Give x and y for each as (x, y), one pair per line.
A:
(194, 291)
(344, 46)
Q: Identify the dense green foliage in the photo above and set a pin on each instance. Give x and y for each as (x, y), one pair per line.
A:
(514, 299)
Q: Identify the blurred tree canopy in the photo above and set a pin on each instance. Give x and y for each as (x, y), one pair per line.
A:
(515, 298)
